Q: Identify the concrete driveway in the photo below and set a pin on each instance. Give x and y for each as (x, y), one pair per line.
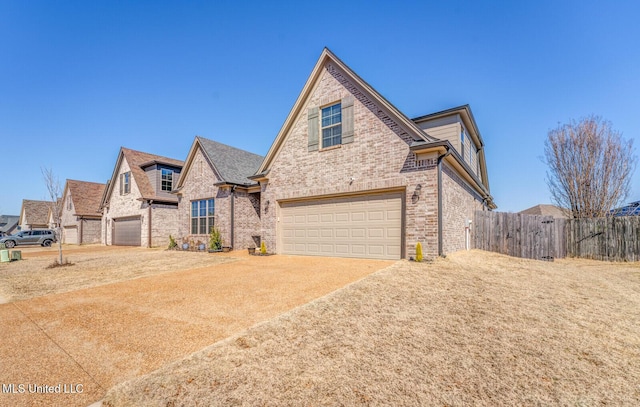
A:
(67, 349)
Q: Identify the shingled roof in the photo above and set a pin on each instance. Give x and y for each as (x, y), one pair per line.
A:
(545, 210)
(232, 164)
(86, 197)
(37, 212)
(137, 161)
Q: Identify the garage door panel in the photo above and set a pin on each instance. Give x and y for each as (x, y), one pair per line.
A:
(342, 217)
(71, 235)
(394, 233)
(358, 226)
(127, 232)
(358, 217)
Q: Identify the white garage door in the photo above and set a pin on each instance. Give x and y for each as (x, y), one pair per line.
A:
(70, 235)
(366, 226)
(126, 232)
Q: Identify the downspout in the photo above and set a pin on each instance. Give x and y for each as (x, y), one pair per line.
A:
(149, 222)
(440, 158)
(81, 230)
(233, 190)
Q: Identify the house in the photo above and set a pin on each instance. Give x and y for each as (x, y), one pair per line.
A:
(8, 224)
(34, 215)
(546, 210)
(214, 191)
(138, 208)
(632, 209)
(80, 213)
(350, 175)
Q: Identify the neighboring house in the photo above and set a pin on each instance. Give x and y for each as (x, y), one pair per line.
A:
(546, 210)
(80, 212)
(34, 215)
(138, 208)
(633, 209)
(214, 190)
(349, 175)
(8, 224)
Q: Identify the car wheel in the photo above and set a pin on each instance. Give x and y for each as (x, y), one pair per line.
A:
(46, 243)
(9, 244)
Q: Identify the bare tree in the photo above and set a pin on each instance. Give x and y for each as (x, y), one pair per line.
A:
(55, 195)
(590, 167)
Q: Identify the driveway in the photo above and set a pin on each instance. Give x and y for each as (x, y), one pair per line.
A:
(75, 345)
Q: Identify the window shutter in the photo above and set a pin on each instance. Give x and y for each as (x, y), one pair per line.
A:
(121, 175)
(347, 119)
(313, 129)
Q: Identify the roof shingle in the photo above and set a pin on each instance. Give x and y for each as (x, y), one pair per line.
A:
(233, 164)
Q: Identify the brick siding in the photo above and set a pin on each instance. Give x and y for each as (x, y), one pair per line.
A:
(378, 158)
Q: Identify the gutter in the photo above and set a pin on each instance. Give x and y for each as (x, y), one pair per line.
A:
(440, 158)
(233, 190)
(149, 222)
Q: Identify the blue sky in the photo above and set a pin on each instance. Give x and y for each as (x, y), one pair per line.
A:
(80, 79)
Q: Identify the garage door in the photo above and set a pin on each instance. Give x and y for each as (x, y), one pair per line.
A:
(367, 226)
(70, 235)
(126, 232)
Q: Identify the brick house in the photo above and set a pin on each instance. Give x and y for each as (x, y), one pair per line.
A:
(34, 215)
(138, 208)
(80, 213)
(350, 175)
(213, 190)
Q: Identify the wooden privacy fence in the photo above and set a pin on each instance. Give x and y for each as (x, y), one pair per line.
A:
(546, 238)
(613, 238)
(514, 234)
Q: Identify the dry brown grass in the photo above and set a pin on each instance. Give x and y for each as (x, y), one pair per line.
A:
(475, 329)
(92, 267)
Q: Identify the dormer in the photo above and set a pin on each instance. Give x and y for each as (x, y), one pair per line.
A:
(458, 127)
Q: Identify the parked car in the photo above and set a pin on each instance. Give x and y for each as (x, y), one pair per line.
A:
(43, 237)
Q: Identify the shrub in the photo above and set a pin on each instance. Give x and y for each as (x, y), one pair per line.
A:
(418, 252)
(263, 247)
(215, 239)
(172, 243)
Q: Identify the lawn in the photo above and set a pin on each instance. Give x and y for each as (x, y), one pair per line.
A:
(92, 266)
(475, 329)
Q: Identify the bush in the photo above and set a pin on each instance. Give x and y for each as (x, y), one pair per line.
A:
(215, 239)
(172, 243)
(418, 252)
(263, 247)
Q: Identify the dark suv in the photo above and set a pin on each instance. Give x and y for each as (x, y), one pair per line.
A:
(43, 237)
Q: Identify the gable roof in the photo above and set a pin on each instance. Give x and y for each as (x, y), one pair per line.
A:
(37, 212)
(232, 165)
(137, 161)
(545, 210)
(8, 222)
(86, 197)
(327, 56)
(470, 123)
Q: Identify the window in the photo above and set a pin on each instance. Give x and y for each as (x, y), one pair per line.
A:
(462, 144)
(125, 183)
(332, 125)
(202, 216)
(167, 179)
(69, 205)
